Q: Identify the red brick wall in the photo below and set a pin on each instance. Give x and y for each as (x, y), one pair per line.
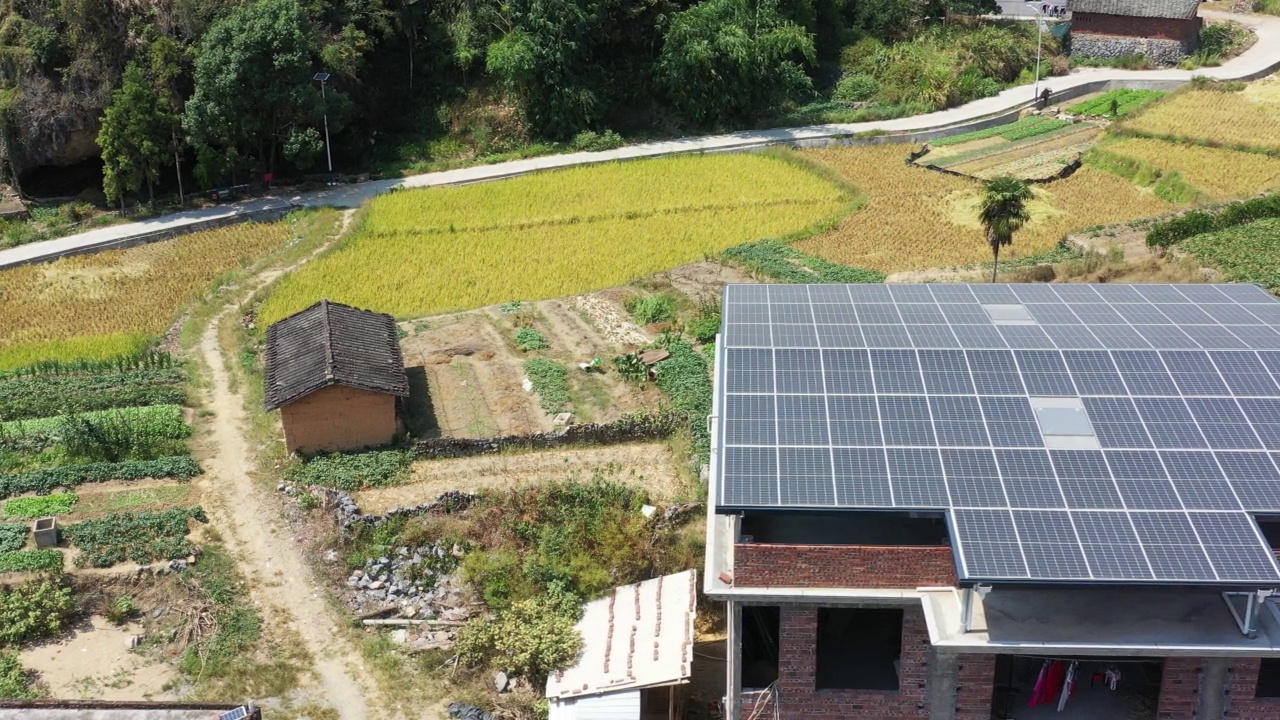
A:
(338, 418)
(1241, 685)
(1162, 28)
(855, 566)
(974, 687)
(1179, 688)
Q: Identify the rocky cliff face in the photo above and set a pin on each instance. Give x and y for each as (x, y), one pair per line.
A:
(53, 126)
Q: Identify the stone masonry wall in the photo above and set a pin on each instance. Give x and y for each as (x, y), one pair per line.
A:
(1161, 52)
(760, 565)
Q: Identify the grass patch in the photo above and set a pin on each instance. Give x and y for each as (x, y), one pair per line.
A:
(150, 498)
(354, 471)
(784, 263)
(538, 236)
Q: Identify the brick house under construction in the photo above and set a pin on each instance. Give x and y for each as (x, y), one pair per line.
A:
(336, 375)
(944, 501)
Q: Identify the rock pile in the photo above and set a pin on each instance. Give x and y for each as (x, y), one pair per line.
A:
(412, 583)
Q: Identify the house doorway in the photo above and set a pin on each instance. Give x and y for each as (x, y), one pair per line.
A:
(1091, 697)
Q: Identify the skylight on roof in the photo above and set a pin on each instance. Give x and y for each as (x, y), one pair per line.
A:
(1009, 314)
(1064, 422)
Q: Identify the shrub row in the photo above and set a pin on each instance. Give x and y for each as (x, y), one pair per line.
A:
(46, 480)
(781, 262)
(1198, 222)
(46, 395)
(138, 536)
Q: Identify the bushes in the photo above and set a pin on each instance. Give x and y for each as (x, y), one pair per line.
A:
(34, 611)
(550, 381)
(706, 325)
(856, 88)
(529, 339)
(34, 507)
(141, 537)
(532, 639)
(14, 683)
(1198, 222)
(46, 480)
(647, 309)
(30, 561)
(13, 536)
(48, 395)
(783, 263)
(354, 471)
(589, 141)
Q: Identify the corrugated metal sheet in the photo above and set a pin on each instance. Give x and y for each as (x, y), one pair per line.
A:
(332, 344)
(639, 636)
(1175, 9)
(623, 705)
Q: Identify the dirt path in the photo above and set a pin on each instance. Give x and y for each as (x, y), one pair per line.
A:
(279, 577)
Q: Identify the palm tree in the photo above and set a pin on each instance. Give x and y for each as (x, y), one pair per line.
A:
(1003, 212)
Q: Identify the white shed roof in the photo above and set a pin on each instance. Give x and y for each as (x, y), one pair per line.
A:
(639, 636)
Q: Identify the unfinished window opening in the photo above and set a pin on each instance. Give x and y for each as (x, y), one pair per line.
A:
(761, 627)
(875, 528)
(1270, 527)
(1015, 695)
(858, 648)
(1268, 679)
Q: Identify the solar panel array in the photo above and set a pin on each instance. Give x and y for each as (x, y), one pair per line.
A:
(914, 397)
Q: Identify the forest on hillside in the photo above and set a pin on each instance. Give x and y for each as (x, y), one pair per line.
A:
(223, 90)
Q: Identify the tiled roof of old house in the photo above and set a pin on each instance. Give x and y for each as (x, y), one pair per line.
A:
(638, 636)
(332, 344)
(1173, 9)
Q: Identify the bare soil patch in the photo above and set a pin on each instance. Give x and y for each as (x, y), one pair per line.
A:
(651, 465)
(705, 281)
(94, 662)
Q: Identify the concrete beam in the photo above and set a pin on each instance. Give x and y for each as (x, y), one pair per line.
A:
(1213, 689)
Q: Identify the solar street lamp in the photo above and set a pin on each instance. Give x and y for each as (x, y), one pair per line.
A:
(322, 78)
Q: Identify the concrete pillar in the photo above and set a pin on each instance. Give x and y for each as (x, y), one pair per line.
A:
(944, 676)
(1213, 689)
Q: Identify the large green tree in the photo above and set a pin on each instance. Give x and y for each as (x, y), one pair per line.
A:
(733, 60)
(253, 91)
(1002, 210)
(136, 136)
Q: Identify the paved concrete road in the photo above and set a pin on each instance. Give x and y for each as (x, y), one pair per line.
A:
(1260, 60)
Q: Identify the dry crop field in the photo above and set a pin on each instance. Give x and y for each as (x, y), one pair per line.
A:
(114, 303)
(1250, 118)
(1218, 172)
(919, 218)
(1039, 151)
(422, 252)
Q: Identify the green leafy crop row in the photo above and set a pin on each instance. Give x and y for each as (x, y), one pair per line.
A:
(47, 395)
(1116, 103)
(13, 536)
(1245, 253)
(34, 507)
(29, 561)
(550, 381)
(529, 339)
(354, 471)
(784, 263)
(46, 480)
(141, 536)
(686, 379)
(1020, 130)
(155, 420)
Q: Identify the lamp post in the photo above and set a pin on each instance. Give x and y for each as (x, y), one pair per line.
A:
(1039, 45)
(323, 77)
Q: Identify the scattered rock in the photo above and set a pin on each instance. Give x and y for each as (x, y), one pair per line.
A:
(134, 641)
(501, 682)
(157, 613)
(400, 636)
(376, 585)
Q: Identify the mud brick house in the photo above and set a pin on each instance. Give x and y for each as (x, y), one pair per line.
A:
(336, 375)
(943, 501)
(1163, 30)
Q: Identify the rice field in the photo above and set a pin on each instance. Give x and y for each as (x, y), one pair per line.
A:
(918, 218)
(1248, 119)
(1220, 173)
(106, 304)
(420, 252)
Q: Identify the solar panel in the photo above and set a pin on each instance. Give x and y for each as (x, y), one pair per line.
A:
(919, 397)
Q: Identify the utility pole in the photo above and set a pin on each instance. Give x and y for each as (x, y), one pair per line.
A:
(322, 78)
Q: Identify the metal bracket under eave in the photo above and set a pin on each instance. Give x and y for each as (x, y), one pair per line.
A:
(1247, 620)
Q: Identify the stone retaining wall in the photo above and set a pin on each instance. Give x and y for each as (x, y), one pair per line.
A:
(1162, 52)
(629, 428)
